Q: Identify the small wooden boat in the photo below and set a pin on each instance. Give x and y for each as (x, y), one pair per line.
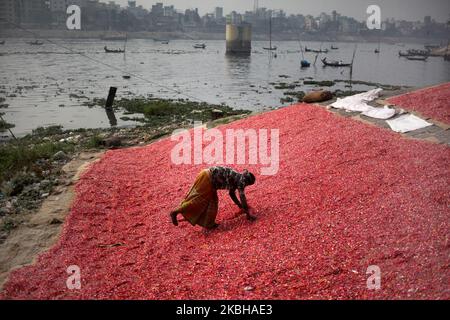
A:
(403, 54)
(334, 48)
(164, 41)
(417, 58)
(113, 50)
(270, 48)
(316, 51)
(335, 63)
(305, 64)
(414, 52)
(377, 51)
(2, 42)
(200, 46)
(35, 43)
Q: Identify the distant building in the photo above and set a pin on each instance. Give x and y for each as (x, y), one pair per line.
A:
(9, 11)
(157, 10)
(169, 11)
(34, 12)
(234, 18)
(218, 13)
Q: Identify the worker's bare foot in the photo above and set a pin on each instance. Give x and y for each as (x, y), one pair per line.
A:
(173, 216)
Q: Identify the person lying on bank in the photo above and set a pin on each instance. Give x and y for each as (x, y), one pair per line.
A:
(201, 204)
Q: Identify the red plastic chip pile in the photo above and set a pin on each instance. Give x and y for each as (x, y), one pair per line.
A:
(347, 196)
(431, 102)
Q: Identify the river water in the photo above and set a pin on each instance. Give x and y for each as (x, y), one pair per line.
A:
(46, 85)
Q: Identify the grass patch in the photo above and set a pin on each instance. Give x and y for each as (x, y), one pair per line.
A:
(319, 83)
(284, 86)
(299, 95)
(19, 156)
(159, 112)
(345, 93)
(5, 125)
(94, 142)
(8, 225)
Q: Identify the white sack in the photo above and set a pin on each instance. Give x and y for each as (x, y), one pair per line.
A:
(408, 122)
(380, 113)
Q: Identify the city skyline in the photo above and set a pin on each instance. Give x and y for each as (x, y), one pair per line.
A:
(411, 10)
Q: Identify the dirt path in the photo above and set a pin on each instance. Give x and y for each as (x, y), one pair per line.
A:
(42, 229)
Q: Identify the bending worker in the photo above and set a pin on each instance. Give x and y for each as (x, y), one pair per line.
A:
(201, 203)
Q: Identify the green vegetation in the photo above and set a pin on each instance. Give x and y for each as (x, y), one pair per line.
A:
(159, 112)
(284, 85)
(93, 142)
(296, 94)
(287, 100)
(8, 225)
(319, 83)
(21, 155)
(345, 93)
(372, 84)
(5, 125)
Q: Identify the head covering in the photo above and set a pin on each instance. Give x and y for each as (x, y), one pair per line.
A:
(249, 177)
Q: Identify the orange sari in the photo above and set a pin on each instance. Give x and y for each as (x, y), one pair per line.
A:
(201, 204)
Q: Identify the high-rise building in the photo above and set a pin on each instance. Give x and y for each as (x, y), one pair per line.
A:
(58, 5)
(218, 14)
(34, 12)
(169, 11)
(9, 12)
(158, 9)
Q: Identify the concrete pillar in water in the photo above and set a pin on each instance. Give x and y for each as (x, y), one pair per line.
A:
(239, 38)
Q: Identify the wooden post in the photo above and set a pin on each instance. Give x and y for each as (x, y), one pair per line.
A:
(110, 100)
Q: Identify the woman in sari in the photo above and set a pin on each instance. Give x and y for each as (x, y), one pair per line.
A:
(201, 204)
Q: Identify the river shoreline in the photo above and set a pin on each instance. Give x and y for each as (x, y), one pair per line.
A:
(81, 34)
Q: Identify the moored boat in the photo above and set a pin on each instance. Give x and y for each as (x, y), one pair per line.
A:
(113, 50)
(36, 43)
(417, 58)
(335, 63)
(316, 51)
(305, 64)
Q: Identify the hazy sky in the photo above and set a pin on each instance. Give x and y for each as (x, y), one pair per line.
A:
(400, 9)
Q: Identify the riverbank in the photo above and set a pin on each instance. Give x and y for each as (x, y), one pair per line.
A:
(284, 36)
(31, 166)
(320, 154)
(23, 245)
